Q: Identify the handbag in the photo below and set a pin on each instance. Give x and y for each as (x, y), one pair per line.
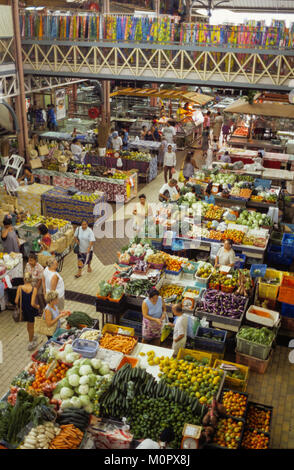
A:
(17, 314)
(76, 248)
(42, 328)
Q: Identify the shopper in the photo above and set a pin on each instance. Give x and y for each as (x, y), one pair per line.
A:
(205, 140)
(52, 280)
(155, 132)
(36, 271)
(225, 255)
(225, 157)
(206, 122)
(51, 313)
(77, 151)
(209, 198)
(52, 122)
(165, 438)
(161, 152)
(10, 182)
(169, 132)
(85, 238)
(180, 329)
(27, 177)
(169, 191)
(215, 148)
(26, 297)
(141, 212)
(154, 312)
(169, 162)
(143, 133)
(45, 241)
(226, 130)
(9, 239)
(116, 142)
(125, 138)
(217, 127)
(189, 166)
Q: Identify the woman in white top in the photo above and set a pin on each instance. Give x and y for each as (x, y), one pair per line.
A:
(77, 151)
(51, 313)
(141, 212)
(169, 162)
(53, 281)
(85, 238)
(226, 255)
(116, 141)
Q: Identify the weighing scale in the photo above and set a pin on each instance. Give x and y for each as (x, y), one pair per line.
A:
(191, 436)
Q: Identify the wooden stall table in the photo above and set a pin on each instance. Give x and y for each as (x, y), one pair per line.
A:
(29, 197)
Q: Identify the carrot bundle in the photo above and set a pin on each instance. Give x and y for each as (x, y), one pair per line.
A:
(69, 437)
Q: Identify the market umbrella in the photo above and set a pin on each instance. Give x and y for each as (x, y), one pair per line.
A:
(281, 110)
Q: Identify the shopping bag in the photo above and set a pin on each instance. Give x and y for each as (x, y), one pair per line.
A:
(166, 329)
(42, 328)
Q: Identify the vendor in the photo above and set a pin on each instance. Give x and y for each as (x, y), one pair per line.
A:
(27, 177)
(225, 158)
(77, 151)
(149, 137)
(225, 255)
(165, 438)
(116, 141)
(143, 132)
(45, 241)
(154, 312)
(9, 239)
(169, 191)
(141, 212)
(209, 198)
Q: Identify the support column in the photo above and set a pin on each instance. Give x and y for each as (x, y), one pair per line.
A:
(19, 67)
(21, 145)
(153, 99)
(106, 83)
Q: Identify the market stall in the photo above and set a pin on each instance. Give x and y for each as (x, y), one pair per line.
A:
(81, 206)
(270, 159)
(124, 188)
(144, 163)
(29, 197)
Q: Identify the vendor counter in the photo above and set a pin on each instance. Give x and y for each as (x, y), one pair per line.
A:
(29, 197)
(121, 190)
(267, 145)
(272, 160)
(58, 204)
(147, 170)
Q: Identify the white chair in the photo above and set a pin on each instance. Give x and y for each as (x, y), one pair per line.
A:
(15, 162)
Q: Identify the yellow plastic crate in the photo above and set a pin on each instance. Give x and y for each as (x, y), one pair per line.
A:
(231, 382)
(270, 291)
(110, 328)
(199, 355)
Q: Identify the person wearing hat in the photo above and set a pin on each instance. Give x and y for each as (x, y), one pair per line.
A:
(27, 177)
(116, 141)
(77, 151)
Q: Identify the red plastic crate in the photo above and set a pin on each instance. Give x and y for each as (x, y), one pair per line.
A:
(286, 293)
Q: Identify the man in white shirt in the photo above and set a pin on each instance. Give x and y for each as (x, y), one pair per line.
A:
(169, 133)
(116, 142)
(165, 438)
(180, 329)
(169, 192)
(10, 183)
(169, 162)
(77, 151)
(85, 238)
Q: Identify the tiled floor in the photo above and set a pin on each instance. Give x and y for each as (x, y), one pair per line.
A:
(275, 387)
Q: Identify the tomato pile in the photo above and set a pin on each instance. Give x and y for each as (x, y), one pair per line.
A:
(173, 264)
(235, 235)
(234, 403)
(253, 440)
(228, 433)
(258, 419)
(215, 235)
(41, 381)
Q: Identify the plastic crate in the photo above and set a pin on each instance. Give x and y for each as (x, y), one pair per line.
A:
(260, 351)
(240, 263)
(85, 347)
(213, 445)
(288, 244)
(231, 382)
(275, 257)
(172, 275)
(287, 310)
(198, 355)
(261, 407)
(270, 291)
(128, 360)
(209, 344)
(254, 364)
(202, 281)
(260, 267)
(287, 323)
(251, 316)
(132, 319)
(276, 238)
(261, 182)
(241, 417)
(110, 328)
(286, 293)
